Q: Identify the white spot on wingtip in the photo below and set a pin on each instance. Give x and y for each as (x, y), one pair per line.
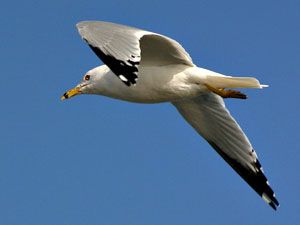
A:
(123, 78)
(266, 198)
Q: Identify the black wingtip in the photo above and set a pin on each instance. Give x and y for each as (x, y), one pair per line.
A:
(257, 180)
(274, 205)
(273, 202)
(126, 70)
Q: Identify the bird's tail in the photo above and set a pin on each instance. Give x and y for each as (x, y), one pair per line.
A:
(233, 82)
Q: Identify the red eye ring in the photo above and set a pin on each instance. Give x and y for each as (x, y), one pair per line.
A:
(87, 77)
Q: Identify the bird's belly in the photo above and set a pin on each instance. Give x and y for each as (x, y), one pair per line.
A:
(159, 84)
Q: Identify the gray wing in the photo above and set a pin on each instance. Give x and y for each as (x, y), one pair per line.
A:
(123, 49)
(209, 117)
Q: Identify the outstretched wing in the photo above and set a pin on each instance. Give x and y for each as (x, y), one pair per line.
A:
(123, 49)
(209, 117)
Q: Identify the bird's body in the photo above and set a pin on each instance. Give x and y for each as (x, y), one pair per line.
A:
(156, 84)
(145, 67)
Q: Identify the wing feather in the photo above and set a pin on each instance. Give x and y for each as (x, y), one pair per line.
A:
(124, 48)
(208, 115)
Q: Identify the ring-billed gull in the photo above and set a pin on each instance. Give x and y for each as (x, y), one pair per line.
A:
(147, 67)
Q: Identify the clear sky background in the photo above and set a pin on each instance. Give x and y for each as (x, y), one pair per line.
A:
(93, 160)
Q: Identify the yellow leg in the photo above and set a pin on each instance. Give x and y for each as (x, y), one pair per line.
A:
(227, 93)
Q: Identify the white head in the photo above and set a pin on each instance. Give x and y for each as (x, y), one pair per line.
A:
(91, 83)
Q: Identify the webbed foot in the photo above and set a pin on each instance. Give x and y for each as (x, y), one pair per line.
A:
(227, 93)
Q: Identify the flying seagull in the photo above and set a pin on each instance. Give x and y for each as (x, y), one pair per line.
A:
(146, 67)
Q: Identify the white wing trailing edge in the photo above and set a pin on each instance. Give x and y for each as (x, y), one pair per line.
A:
(209, 117)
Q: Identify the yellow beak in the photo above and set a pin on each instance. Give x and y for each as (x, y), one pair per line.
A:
(71, 93)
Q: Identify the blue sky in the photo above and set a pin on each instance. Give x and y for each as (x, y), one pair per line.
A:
(93, 160)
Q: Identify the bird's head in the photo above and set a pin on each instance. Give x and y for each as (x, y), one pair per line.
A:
(88, 85)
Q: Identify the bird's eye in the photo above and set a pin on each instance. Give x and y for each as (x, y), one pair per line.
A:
(87, 77)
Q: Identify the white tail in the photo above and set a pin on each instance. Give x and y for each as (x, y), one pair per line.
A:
(233, 82)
